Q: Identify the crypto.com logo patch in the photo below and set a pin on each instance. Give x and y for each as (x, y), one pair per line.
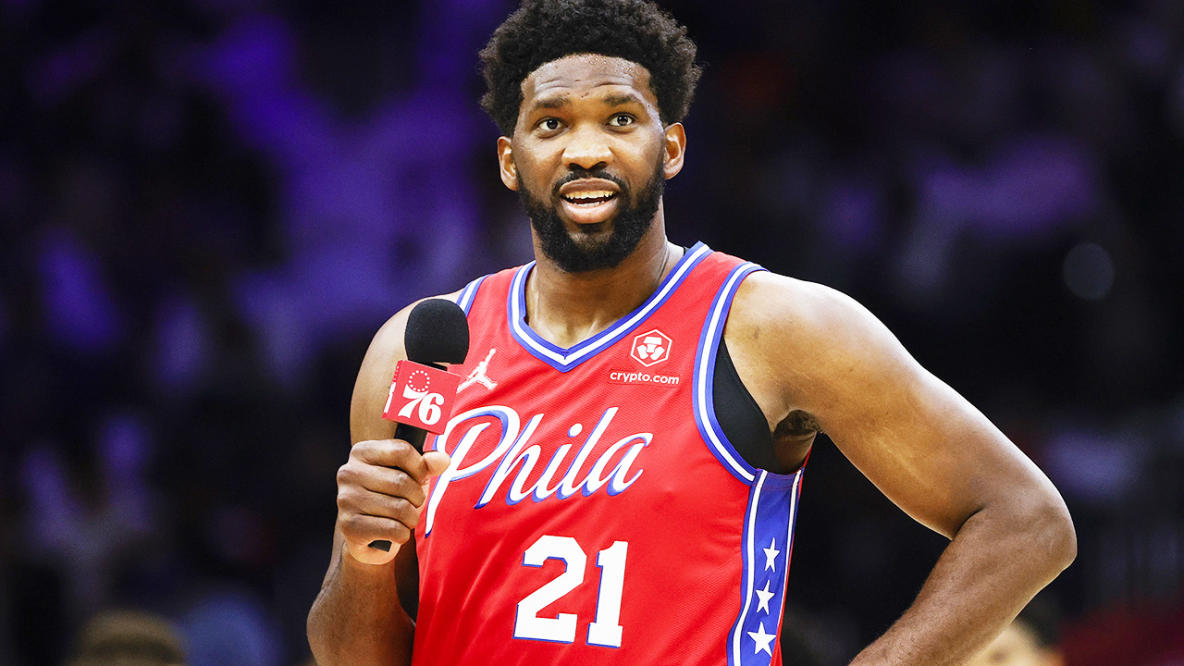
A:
(651, 348)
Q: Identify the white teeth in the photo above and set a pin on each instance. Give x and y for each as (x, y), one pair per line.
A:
(582, 196)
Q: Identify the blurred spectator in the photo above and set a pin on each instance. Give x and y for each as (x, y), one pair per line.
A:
(128, 638)
(1032, 639)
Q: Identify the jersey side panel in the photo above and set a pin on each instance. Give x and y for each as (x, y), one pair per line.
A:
(771, 508)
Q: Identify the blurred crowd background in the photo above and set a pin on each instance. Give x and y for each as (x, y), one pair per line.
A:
(207, 207)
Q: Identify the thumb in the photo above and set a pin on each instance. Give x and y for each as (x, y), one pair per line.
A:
(436, 461)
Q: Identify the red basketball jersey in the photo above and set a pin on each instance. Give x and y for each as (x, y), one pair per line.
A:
(594, 512)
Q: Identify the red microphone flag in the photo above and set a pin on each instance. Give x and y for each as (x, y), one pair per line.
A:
(421, 396)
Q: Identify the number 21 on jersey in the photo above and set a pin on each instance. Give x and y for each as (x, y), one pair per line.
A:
(605, 629)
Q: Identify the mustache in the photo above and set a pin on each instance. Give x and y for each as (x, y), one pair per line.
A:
(580, 173)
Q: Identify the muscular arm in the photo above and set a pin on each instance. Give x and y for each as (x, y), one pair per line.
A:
(806, 348)
(357, 617)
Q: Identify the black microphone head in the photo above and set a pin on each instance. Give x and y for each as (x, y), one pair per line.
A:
(437, 332)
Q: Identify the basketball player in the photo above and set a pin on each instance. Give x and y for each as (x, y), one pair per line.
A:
(619, 482)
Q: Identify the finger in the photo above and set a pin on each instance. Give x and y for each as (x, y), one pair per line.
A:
(359, 530)
(436, 462)
(395, 453)
(356, 501)
(382, 480)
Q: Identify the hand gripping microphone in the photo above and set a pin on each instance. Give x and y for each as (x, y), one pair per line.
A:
(422, 392)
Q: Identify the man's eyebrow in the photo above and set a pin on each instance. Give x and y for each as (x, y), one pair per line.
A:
(556, 102)
(560, 101)
(620, 100)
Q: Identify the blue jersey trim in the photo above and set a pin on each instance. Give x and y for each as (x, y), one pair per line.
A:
(564, 359)
(703, 404)
(793, 521)
(767, 542)
(469, 294)
(766, 548)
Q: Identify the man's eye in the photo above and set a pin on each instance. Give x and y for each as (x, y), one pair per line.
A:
(621, 120)
(550, 124)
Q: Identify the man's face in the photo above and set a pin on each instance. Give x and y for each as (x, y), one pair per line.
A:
(588, 158)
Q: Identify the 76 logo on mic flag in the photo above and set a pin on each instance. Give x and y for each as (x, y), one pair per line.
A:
(421, 396)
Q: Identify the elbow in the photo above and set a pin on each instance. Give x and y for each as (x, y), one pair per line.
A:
(1049, 529)
(314, 631)
(1068, 539)
(311, 633)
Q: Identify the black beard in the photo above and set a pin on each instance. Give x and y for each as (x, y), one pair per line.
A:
(580, 253)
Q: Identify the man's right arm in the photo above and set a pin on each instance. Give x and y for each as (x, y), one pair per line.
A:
(357, 617)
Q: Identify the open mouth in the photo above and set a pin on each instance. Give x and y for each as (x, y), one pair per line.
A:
(589, 198)
(588, 208)
(589, 201)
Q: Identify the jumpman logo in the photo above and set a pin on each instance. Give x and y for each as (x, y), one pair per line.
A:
(478, 376)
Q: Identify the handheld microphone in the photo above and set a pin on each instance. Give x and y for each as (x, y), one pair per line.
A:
(422, 392)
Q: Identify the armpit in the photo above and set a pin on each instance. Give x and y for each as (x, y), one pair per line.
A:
(797, 424)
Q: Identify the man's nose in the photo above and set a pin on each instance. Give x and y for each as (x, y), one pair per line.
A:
(587, 149)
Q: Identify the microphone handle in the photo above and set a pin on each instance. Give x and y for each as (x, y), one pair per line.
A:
(415, 437)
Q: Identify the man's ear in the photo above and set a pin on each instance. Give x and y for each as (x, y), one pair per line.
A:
(505, 163)
(675, 146)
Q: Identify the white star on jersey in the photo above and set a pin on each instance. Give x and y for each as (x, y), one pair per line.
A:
(762, 640)
(764, 596)
(771, 554)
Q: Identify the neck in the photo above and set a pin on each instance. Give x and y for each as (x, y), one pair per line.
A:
(567, 308)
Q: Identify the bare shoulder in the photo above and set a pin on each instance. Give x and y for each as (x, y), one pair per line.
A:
(808, 327)
(807, 306)
(813, 349)
(374, 377)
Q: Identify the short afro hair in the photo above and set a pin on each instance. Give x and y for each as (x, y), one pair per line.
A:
(544, 30)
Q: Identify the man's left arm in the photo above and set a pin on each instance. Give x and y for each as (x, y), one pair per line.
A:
(927, 449)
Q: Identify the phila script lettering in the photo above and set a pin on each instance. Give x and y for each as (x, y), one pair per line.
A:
(514, 451)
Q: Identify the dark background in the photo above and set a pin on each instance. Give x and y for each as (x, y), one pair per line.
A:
(207, 208)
